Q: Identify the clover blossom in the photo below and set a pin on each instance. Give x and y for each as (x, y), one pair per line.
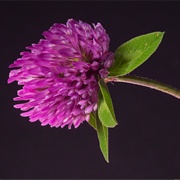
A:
(60, 74)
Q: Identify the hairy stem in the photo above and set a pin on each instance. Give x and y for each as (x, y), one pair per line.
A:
(146, 83)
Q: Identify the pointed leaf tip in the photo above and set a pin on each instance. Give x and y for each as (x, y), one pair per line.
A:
(102, 133)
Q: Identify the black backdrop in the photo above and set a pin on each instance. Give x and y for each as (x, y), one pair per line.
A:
(145, 144)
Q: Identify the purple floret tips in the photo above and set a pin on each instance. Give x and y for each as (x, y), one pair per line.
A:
(60, 74)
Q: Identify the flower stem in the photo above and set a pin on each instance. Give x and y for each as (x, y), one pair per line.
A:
(146, 83)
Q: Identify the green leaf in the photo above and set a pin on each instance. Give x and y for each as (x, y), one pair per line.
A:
(133, 53)
(92, 121)
(102, 133)
(105, 106)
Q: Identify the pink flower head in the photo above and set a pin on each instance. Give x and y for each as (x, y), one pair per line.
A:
(60, 74)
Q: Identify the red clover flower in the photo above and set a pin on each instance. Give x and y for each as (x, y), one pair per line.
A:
(60, 74)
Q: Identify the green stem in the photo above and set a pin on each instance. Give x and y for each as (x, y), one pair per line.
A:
(146, 83)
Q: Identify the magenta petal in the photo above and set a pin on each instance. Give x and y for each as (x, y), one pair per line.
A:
(28, 113)
(87, 117)
(18, 105)
(88, 109)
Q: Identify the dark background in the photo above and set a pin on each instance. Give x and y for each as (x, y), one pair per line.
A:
(145, 144)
